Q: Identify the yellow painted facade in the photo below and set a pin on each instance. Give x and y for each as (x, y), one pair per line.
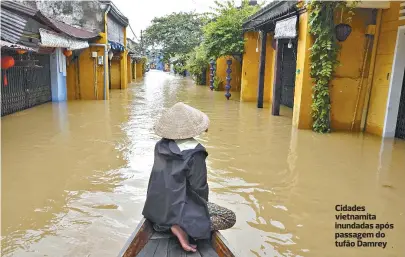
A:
(383, 68)
(129, 69)
(250, 69)
(139, 70)
(302, 117)
(87, 86)
(115, 74)
(90, 82)
(221, 68)
(349, 86)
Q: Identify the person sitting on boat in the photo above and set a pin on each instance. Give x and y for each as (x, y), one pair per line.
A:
(177, 196)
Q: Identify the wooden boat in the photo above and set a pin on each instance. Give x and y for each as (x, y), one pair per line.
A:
(145, 242)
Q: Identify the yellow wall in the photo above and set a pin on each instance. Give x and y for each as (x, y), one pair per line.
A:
(383, 66)
(344, 89)
(87, 76)
(302, 118)
(235, 74)
(129, 69)
(139, 70)
(124, 66)
(115, 74)
(85, 89)
(250, 69)
(71, 79)
(269, 70)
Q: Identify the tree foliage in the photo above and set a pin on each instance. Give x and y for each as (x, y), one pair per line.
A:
(197, 61)
(223, 35)
(176, 33)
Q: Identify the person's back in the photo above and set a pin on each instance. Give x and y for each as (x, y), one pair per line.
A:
(177, 197)
(177, 191)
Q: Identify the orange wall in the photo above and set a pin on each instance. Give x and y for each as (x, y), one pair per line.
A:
(383, 67)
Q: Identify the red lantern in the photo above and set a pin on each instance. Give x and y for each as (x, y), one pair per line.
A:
(6, 62)
(67, 53)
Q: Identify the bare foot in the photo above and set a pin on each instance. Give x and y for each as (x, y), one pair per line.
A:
(183, 239)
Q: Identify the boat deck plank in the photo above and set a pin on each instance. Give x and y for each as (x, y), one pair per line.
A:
(167, 245)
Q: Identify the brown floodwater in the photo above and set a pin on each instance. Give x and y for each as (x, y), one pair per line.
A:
(74, 175)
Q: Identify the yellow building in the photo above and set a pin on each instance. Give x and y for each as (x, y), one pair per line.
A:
(365, 92)
(104, 65)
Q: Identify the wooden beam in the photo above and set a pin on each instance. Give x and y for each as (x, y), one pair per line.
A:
(262, 67)
(275, 109)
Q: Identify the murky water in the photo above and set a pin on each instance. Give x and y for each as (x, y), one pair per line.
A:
(74, 175)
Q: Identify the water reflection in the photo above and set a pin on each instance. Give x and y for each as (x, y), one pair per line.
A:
(74, 175)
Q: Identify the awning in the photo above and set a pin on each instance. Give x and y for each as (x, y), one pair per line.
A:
(6, 44)
(52, 39)
(272, 12)
(116, 46)
(12, 26)
(286, 29)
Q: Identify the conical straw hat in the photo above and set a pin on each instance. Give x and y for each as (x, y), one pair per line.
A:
(181, 121)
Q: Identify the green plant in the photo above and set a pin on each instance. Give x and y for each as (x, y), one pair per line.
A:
(144, 60)
(218, 83)
(175, 33)
(197, 61)
(224, 34)
(324, 57)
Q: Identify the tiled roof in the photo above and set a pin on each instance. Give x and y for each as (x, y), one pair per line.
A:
(72, 31)
(115, 12)
(20, 9)
(12, 25)
(269, 13)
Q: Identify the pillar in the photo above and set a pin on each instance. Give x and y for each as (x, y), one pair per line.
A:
(129, 69)
(275, 106)
(58, 75)
(212, 72)
(262, 67)
(228, 79)
(302, 117)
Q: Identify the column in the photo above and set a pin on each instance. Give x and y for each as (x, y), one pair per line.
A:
(58, 75)
(262, 67)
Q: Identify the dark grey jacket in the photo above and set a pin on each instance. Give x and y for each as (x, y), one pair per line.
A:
(178, 189)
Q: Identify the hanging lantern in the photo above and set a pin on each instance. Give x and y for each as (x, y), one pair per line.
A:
(67, 53)
(6, 63)
(21, 51)
(342, 31)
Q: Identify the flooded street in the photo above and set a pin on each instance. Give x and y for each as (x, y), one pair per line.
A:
(74, 175)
